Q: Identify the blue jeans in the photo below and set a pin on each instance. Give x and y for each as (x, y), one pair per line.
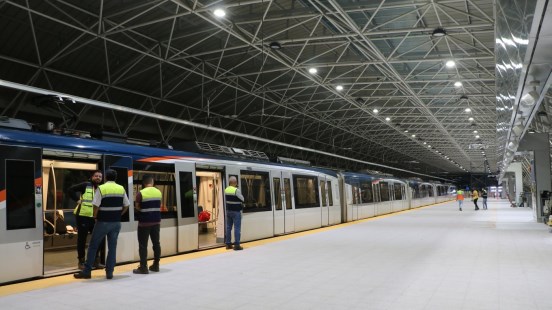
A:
(101, 230)
(485, 203)
(460, 202)
(233, 218)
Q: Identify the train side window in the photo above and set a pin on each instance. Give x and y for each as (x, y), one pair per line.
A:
(398, 191)
(366, 193)
(164, 182)
(323, 190)
(384, 191)
(306, 191)
(277, 193)
(330, 194)
(255, 188)
(186, 194)
(20, 194)
(430, 190)
(287, 192)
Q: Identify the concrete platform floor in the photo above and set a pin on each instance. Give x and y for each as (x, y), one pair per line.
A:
(430, 258)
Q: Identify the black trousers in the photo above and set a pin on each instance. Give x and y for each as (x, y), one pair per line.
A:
(475, 203)
(145, 233)
(85, 225)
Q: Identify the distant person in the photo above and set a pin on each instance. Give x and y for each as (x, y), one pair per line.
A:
(110, 203)
(83, 194)
(148, 204)
(460, 198)
(234, 200)
(484, 196)
(475, 197)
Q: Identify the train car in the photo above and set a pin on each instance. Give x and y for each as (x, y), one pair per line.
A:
(36, 214)
(37, 224)
(366, 195)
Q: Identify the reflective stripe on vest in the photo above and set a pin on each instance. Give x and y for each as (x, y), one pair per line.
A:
(86, 208)
(150, 207)
(233, 203)
(112, 202)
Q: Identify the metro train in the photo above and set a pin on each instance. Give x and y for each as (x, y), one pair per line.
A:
(37, 237)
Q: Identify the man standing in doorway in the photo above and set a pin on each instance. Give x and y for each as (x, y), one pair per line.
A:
(83, 193)
(110, 203)
(148, 204)
(460, 198)
(234, 200)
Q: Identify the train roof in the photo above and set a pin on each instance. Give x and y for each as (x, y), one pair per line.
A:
(137, 152)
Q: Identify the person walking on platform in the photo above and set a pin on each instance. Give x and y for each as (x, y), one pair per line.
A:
(110, 203)
(475, 197)
(460, 198)
(234, 200)
(484, 196)
(148, 204)
(83, 194)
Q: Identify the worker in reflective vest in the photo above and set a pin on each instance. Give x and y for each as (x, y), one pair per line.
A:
(460, 198)
(234, 200)
(148, 205)
(110, 203)
(83, 193)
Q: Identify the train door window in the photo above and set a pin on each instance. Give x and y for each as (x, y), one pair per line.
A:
(277, 193)
(255, 188)
(306, 191)
(366, 193)
(323, 190)
(430, 190)
(398, 191)
(186, 194)
(356, 195)
(60, 180)
(165, 183)
(287, 192)
(122, 179)
(404, 191)
(20, 194)
(384, 191)
(330, 194)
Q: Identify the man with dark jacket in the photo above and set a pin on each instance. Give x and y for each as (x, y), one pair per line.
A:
(83, 194)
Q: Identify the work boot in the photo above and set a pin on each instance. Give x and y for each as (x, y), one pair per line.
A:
(141, 270)
(82, 275)
(154, 267)
(80, 265)
(237, 247)
(98, 264)
(229, 246)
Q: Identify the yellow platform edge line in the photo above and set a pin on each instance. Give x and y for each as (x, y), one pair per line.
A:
(43, 283)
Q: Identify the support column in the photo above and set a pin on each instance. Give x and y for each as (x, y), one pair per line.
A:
(540, 145)
(518, 179)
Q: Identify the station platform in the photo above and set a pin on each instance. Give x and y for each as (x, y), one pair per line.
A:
(434, 257)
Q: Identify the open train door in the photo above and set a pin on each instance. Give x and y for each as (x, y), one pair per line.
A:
(21, 224)
(127, 235)
(186, 195)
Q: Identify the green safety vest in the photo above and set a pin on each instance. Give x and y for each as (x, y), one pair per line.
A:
(86, 208)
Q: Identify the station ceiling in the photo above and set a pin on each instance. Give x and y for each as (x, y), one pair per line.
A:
(367, 80)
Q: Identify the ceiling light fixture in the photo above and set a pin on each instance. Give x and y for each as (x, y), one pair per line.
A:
(375, 111)
(450, 64)
(475, 131)
(313, 70)
(470, 119)
(339, 87)
(477, 136)
(275, 45)
(458, 84)
(467, 110)
(439, 32)
(219, 13)
(413, 136)
(388, 119)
